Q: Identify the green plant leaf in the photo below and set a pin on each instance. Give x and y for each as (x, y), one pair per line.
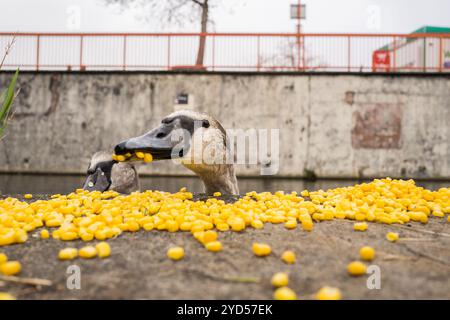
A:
(3, 95)
(6, 100)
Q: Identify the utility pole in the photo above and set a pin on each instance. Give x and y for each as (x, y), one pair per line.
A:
(298, 12)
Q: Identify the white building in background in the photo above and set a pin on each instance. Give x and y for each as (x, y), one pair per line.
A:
(416, 54)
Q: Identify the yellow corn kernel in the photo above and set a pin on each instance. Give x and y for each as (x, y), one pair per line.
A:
(100, 235)
(6, 296)
(53, 223)
(213, 246)
(291, 224)
(217, 194)
(103, 249)
(288, 257)
(307, 225)
(120, 158)
(7, 239)
(261, 249)
(148, 226)
(257, 224)
(28, 196)
(175, 253)
(209, 236)
(140, 155)
(45, 234)
(438, 214)
(199, 236)
(172, 226)
(237, 225)
(367, 253)
(356, 268)
(329, 293)
(20, 236)
(87, 236)
(68, 254)
(223, 227)
(280, 279)
(392, 236)
(68, 236)
(360, 226)
(10, 268)
(3, 258)
(148, 157)
(133, 226)
(87, 252)
(284, 293)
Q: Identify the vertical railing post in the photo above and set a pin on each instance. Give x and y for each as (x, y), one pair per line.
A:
(81, 53)
(168, 52)
(424, 68)
(258, 52)
(303, 53)
(299, 49)
(394, 56)
(441, 53)
(38, 43)
(124, 53)
(213, 52)
(349, 48)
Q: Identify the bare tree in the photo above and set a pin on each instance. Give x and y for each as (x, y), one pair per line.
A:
(287, 57)
(175, 11)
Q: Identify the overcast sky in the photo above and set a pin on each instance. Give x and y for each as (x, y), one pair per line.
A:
(331, 16)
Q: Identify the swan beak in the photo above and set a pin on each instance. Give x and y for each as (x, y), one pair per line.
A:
(159, 147)
(97, 181)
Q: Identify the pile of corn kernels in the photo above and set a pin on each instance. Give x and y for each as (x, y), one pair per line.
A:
(140, 156)
(94, 215)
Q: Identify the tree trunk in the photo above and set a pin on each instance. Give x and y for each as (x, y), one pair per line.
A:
(202, 39)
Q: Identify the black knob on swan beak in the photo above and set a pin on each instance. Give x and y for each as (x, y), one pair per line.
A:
(121, 148)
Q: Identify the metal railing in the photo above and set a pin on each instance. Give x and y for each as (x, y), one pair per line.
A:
(229, 52)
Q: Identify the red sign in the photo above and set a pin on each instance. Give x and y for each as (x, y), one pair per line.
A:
(381, 60)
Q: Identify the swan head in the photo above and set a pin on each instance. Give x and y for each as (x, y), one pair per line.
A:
(196, 140)
(106, 174)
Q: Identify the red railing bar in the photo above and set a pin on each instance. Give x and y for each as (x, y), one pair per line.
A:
(441, 53)
(54, 34)
(116, 67)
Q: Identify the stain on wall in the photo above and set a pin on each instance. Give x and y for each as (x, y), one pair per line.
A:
(377, 126)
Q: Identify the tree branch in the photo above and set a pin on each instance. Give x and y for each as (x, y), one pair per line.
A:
(198, 2)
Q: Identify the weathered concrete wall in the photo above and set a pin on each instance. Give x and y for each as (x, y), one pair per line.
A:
(332, 125)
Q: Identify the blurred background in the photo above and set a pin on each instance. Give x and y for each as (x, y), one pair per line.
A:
(358, 89)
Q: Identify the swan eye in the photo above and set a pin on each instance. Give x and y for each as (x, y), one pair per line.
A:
(205, 124)
(160, 135)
